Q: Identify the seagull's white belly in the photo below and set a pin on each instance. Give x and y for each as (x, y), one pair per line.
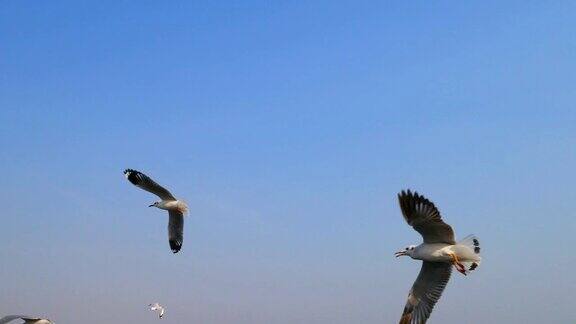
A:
(178, 205)
(167, 205)
(433, 252)
(441, 252)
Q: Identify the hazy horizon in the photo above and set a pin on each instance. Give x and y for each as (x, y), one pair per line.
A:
(289, 129)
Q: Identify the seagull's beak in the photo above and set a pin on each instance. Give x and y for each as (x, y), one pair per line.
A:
(151, 205)
(400, 253)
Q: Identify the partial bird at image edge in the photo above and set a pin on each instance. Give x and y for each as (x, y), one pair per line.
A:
(438, 253)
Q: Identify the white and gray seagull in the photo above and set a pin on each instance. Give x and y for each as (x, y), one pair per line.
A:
(176, 208)
(439, 253)
(26, 319)
(157, 308)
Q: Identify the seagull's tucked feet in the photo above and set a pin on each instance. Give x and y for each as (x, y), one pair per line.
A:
(459, 266)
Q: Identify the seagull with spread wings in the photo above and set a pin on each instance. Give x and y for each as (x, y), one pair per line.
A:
(26, 319)
(176, 208)
(157, 308)
(438, 253)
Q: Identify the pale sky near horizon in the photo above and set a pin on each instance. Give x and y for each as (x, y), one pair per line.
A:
(289, 128)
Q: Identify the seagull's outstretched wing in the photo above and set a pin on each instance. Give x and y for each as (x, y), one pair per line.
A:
(10, 318)
(175, 230)
(142, 181)
(425, 292)
(422, 215)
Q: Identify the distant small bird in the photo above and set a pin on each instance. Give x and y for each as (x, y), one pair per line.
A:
(157, 308)
(438, 253)
(26, 319)
(176, 208)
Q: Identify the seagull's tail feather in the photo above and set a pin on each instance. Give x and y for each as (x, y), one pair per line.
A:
(472, 242)
(471, 254)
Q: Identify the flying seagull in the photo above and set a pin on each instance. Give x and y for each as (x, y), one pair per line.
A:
(157, 307)
(438, 253)
(176, 208)
(26, 319)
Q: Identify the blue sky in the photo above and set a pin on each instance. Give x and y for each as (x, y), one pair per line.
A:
(289, 129)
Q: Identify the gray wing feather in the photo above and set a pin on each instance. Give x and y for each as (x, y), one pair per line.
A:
(175, 230)
(144, 182)
(425, 292)
(424, 217)
(10, 318)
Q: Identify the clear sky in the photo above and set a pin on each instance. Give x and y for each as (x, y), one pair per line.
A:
(289, 128)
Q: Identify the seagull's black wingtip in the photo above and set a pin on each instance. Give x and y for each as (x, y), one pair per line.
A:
(175, 246)
(132, 176)
(407, 192)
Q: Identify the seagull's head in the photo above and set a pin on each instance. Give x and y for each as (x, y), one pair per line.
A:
(155, 204)
(406, 252)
